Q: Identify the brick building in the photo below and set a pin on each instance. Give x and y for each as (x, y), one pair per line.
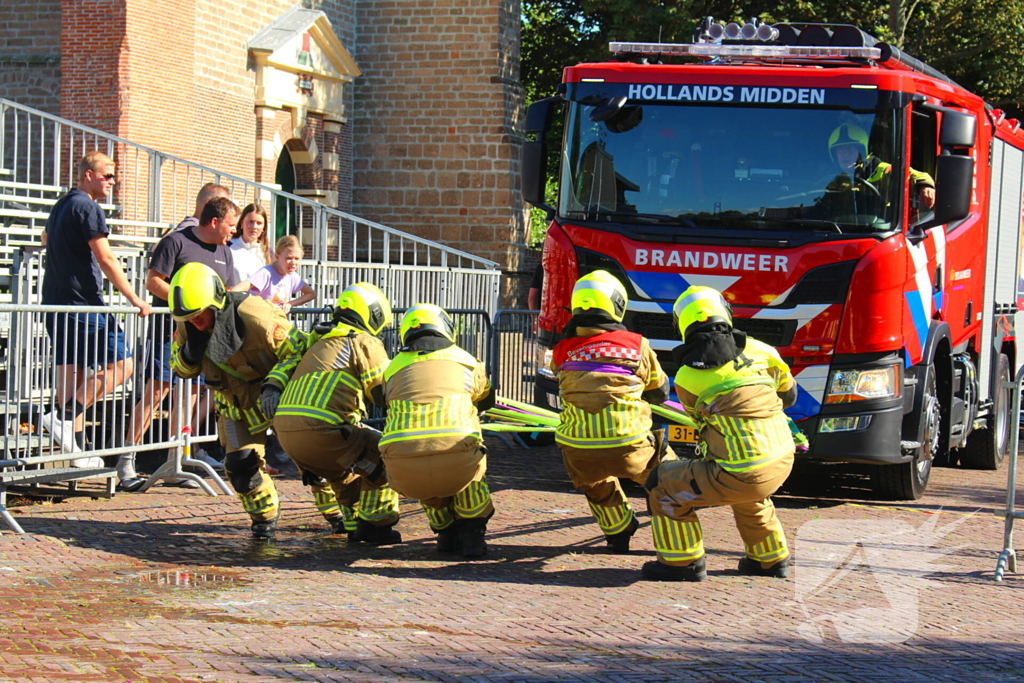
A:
(401, 111)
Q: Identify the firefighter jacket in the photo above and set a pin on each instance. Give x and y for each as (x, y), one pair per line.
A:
(431, 397)
(333, 382)
(602, 376)
(738, 407)
(879, 174)
(252, 345)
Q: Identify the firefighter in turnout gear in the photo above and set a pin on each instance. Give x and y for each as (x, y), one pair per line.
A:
(607, 376)
(318, 420)
(735, 388)
(246, 350)
(432, 445)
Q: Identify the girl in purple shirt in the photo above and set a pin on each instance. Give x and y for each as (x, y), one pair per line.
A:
(279, 283)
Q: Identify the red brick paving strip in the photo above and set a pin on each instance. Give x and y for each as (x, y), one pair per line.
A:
(85, 596)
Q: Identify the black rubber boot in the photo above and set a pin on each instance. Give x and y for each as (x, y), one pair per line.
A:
(375, 535)
(618, 544)
(264, 530)
(337, 523)
(448, 539)
(750, 567)
(471, 535)
(656, 571)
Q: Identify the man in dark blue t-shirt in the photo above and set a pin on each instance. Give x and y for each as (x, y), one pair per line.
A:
(89, 349)
(205, 242)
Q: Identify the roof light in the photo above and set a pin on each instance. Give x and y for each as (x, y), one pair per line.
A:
(863, 86)
(592, 80)
(767, 51)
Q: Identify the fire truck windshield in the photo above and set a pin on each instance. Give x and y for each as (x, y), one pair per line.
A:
(734, 167)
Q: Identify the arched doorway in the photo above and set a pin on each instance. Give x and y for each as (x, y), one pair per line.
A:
(284, 211)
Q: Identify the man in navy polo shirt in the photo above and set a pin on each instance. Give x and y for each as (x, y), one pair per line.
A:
(89, 350)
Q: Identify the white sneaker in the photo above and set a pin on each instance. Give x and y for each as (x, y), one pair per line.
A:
(87, 463)
(63, 433)
(202, 456)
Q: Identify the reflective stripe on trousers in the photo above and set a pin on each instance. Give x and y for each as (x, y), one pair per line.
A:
(262, 502)
(612, 520)
(379, 505)
(770, 550)
(678, 543)
(439, 518)
(473, 501)
(326, 502)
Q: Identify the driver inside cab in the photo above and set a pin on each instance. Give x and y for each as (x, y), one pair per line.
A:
(863, 172)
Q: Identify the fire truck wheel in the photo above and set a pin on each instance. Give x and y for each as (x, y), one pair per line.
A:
(986, 448)
(907, 481)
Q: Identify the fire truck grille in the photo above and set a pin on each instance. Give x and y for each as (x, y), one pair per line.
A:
(659, 326)
(772, 332)
(653, 325)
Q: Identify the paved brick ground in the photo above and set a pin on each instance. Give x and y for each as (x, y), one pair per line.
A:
(167, 587)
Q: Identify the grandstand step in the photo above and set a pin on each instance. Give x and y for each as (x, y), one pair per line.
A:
(25, 477)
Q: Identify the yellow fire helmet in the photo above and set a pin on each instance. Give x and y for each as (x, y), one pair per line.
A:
(424, 319)
(848, 134)
(194, 288)
(699, 306)
(599, 291)
(365, 305)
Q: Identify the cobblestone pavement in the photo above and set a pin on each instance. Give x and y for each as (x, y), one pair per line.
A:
(167, 586)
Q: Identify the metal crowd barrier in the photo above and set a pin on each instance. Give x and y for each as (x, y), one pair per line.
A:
(124, 397)
(1008, 557)
(515, 350)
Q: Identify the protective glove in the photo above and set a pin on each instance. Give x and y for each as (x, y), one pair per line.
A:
(196, 342)
(310, 479)
(269, 399)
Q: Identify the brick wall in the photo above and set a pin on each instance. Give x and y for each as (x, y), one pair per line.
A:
(30, 53)
(436, 153)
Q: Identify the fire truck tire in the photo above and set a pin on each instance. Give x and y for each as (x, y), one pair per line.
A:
(986, 448)
(908, 481)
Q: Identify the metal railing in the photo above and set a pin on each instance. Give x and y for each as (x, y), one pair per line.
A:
(144, 407)
(54, 357)
(516, 351)
(39, 151)
(449, 288)
(1008, 557)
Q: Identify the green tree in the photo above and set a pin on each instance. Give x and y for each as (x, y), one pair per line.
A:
(977, 43)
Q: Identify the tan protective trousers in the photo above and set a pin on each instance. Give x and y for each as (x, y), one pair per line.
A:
(329, 453)
(686, 485)
(261, 502)
(596, 472)
(435, 479)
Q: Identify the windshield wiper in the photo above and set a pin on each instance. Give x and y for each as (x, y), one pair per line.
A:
(654, 218)
(767, 223)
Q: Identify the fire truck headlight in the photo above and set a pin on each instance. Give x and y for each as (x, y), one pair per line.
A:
(544, 357)
(863, 385)
(830, 425)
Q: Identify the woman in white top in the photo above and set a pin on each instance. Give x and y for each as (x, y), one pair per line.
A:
(251, 248)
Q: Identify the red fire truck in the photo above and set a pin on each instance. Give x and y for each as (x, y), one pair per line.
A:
(790, 168)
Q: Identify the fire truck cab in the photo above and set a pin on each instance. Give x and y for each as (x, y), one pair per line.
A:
(860, 211)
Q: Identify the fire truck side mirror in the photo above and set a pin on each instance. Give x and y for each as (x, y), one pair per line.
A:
(535, 152)
(958, 129)
(954, 179)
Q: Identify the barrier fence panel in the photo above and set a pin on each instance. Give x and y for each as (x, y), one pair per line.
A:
(57, 356)
(516, 354)
(1007, 560)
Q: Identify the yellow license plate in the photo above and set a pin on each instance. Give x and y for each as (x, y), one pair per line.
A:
(681, 434)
